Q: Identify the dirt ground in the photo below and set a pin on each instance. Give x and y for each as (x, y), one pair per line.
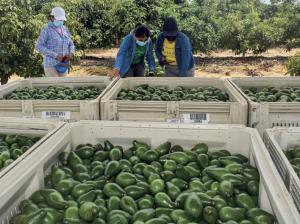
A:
(100, 62)
(218, 64)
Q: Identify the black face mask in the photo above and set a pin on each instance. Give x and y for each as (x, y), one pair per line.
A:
(171, 38)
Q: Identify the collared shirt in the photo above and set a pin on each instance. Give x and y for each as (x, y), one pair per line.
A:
(52, 43)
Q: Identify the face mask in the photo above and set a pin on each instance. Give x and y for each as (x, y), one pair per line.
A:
(58, 23)
(171, 38)
(141, 43)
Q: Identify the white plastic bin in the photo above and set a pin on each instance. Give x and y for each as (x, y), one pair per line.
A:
(270, 114)
(278, 140)
(70, 110)
(234, 112)
(28, 127)
(273, 196)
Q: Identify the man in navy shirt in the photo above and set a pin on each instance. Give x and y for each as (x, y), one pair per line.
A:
(174, 51)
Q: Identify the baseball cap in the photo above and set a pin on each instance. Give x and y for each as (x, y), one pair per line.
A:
(170, 27)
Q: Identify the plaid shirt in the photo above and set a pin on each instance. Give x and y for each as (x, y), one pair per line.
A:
(51, 44)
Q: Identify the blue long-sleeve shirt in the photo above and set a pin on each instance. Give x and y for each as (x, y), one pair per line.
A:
(183, 52)
(51, 43)
(126, 54)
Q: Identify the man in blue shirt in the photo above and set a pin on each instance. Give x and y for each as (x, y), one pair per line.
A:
(135, 48)
(174, 51)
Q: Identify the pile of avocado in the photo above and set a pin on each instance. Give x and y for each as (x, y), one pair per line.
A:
(163, 93)
(104, 183)
(13, 146)
(55, 93)
(293, 156)
(272, 94)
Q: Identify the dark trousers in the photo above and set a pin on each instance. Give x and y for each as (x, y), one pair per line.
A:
(173, 71)
(137, 70)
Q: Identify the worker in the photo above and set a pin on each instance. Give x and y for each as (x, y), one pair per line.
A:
(56, 45)
(135, 48)
(174, 51)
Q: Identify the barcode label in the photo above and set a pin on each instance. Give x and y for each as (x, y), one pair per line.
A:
(198, 117)
(195, 117)
(56, 114)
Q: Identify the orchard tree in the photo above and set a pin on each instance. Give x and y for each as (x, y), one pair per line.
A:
(291, 35)
(94, 23)
(284, 16)
(258, 35)
(231, 34)
(197, 20)
(124, 18)
(19, 29)
(154, 12)
(246, 32)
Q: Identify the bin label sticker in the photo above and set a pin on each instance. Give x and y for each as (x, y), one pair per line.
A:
(195, 117)
(56, 114)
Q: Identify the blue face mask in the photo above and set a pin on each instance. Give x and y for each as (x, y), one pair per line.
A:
(141, 43)
(58, 23)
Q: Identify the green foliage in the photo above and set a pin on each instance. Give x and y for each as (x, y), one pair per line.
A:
(154, 12)
(125, 17)
(244, 33)
(291, 35)
(19, 29)
(293, 65)
(200, 25)
(285, 19)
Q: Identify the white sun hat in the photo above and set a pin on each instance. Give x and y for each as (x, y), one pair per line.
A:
(59, 13)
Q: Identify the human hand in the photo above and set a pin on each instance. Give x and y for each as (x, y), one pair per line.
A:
(68, 57)
(114, 74)
(60, 58)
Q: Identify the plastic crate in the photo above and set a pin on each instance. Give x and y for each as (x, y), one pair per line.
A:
(234, 112)
(278, 140)
(28, 127)
(273, 196)
(270, 114)
(70, 110)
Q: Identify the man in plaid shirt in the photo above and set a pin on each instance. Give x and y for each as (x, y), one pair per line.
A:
(56, 45)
